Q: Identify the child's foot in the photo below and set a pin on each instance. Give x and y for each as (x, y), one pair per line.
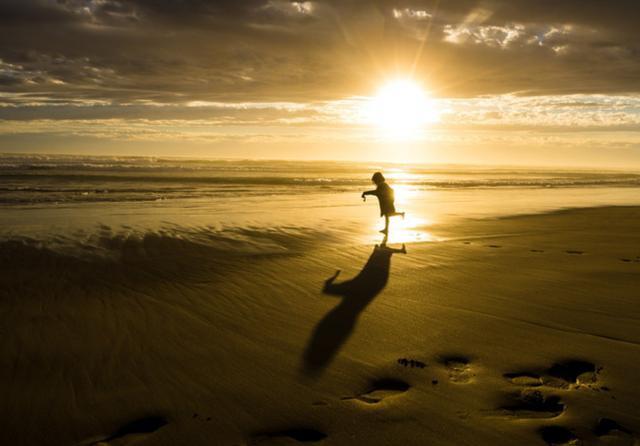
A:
(402, 213)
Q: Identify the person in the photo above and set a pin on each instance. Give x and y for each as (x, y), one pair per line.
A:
(385, 195)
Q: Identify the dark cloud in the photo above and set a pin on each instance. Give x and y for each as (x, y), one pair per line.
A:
(268, 50)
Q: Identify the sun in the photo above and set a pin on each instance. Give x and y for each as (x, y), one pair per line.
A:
(401, 108)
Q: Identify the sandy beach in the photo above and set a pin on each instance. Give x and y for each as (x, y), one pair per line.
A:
(508, 331)
(335, 223)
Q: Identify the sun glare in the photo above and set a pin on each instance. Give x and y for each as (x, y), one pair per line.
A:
(401, 108)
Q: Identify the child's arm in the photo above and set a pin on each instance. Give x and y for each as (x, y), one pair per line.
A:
(369, 192)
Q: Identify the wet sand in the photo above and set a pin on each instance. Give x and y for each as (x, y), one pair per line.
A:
(511, 331)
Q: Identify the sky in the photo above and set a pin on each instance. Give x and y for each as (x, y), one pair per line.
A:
(517, 82)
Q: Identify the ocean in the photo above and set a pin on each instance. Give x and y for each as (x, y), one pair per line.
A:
(87, 205)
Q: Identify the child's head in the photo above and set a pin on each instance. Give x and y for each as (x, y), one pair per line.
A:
(378, 178)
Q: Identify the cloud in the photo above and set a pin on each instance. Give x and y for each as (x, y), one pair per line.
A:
(493, 36)
(345, 116)
(280, 50)
(411, 14)
(289, 8)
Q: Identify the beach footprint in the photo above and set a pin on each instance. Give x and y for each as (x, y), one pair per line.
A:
(381, 389)
(606, 432)
(531, 403)
(458, 368)
(535, 398)
(559, 436)
(531, 400)
(611, 432)
(573, 373)
(565, 374)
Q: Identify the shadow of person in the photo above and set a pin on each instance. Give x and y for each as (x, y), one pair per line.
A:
(334, 329)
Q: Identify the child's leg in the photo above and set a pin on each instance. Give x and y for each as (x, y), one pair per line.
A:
(386, 225)
(397, 213)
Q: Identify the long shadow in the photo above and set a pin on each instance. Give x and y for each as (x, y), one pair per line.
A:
(334, 329)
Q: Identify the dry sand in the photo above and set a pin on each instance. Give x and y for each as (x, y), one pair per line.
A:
(513, 331)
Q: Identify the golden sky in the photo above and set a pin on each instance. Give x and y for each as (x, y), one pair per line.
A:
(532, 82)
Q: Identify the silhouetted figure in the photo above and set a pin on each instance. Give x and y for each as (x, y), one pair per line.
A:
(334, 329)
(385, 195)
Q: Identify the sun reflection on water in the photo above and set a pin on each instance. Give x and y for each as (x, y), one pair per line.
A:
(413, 228)
(403, 194)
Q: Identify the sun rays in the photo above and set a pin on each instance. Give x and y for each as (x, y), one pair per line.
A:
(401, 109)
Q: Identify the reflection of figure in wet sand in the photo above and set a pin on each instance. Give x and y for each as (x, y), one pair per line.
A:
(386, 199)
(334, 329)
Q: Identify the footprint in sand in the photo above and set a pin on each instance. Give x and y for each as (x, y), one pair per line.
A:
(458, 368)
(536, 250)
(380, 390)
(494, 246)
(532, 403)
(574, 252)
(612, 432)
(297, 434)
(533, 400)
(571, 373)
(607, 431)
(558, 436)
(133, 431)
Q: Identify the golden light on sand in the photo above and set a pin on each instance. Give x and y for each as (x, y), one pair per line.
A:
(411, 229)
(401, 108)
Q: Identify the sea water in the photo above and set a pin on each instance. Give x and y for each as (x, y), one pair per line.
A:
(83, 203)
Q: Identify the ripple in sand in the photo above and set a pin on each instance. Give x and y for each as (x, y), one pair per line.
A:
(298, 434)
